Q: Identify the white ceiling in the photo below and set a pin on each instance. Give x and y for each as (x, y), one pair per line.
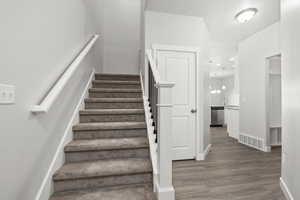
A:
(219, 15)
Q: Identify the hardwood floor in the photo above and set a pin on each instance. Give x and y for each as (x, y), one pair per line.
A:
(231, 172)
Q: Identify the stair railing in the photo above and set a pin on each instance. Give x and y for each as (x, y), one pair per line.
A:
(160, 99)
(58, 85)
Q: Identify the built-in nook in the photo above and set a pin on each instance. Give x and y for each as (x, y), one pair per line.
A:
(274, 103)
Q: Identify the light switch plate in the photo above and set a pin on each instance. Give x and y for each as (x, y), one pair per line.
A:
(7, 94)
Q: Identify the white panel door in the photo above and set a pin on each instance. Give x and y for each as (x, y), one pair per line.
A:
(180, 68)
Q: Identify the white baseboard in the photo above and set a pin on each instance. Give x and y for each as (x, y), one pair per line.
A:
(58, 160)
(286, 190)
(202, 156)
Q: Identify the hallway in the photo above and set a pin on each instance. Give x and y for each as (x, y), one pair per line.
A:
(231, 172)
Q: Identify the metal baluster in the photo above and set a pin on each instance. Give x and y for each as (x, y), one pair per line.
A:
(153, 101)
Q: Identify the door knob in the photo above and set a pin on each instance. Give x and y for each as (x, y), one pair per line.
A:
(193, 110)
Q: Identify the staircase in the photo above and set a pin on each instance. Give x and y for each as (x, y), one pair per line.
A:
(109, 157)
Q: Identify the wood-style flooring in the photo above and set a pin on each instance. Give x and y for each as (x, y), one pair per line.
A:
(231, 172)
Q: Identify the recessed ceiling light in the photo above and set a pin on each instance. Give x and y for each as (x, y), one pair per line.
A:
(246, 15)
(218, 64)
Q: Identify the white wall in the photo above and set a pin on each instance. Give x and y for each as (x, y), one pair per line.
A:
(206, 111)
(142, 62)
(119, 22)
(169, 29)
(275, 94)
(291, 95)
(38, 39)
(229, 92)
(253, 52)
(179, 30)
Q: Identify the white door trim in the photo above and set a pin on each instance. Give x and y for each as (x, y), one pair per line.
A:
(199, 134)
(175, 48)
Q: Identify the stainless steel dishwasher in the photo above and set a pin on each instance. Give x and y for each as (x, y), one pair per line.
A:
(217, 116)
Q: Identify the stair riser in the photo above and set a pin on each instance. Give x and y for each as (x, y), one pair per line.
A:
(114, 95)
(88, 183)
(89, 135)
(117, 78)
(112, 118)
(109, 105)
(108, 154)
(119, 86)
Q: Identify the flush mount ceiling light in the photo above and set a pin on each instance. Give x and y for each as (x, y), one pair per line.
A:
(246, 15)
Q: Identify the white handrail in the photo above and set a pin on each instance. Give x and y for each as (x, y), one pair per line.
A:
(59, 85)
(153, 67)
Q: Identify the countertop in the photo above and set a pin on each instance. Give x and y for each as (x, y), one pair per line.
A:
(232, 107)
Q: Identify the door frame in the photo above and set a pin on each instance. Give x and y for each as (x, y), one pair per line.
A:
(200, 150)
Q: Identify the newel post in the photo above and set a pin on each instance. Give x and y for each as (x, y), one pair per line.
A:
(165, 187)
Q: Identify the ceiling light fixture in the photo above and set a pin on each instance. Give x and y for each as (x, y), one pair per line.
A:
(232, 59)
(246, 15)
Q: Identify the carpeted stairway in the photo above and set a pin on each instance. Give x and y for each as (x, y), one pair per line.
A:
(109, 157)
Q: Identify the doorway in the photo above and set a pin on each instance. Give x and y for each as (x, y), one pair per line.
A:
(186, 67)
(179, 67)
(274, 101)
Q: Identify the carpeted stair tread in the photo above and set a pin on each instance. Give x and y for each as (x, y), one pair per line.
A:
(128, 193)
(103, 168)
(113, 100)
(117, 82)
(109, 126)
(117, 77)
(111, 111)
(109, 156)
(107, 144)
(112, 90)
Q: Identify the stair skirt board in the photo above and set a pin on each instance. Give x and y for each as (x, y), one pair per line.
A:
(58, 160)
(110, 146)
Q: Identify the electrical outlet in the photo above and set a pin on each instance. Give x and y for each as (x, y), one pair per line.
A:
(7, 94)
